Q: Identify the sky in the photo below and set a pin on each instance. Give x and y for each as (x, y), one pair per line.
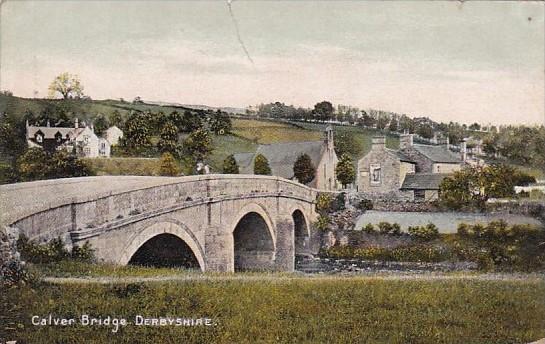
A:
(452, 61)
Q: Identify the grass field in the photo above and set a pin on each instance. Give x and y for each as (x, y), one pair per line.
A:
(124, 166)
(265, 132)
(358, 310)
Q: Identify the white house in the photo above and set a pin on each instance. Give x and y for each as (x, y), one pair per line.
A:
(113, 134)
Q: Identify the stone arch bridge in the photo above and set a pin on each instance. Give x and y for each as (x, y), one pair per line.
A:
(213, 222)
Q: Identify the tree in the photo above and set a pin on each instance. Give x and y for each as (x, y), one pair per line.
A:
(425, 130)
(261, 165)
(198, 145)
(220, 123)
(136, 135)
(36, 163)
(303, 169)
(116, 119)
(168, 141)
(473, 186)
(230, 165)
(190, 122)
(33, 164)
(68, 85)
(323, 111)
(101, 124)
(393, 124)
(346, 173)
(168, 165)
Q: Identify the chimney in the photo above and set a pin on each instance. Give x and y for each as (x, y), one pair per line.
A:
(405, 141)
(47, 124)
(378, 142)
(329, 137)
(463, 150)
(76, 125)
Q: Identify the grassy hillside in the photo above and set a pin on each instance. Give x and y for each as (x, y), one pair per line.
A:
(286, 310)
(265, 132)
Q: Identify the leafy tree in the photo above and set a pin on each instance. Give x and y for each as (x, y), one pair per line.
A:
(137, 134)
(190, 122)
(425, 130)
(36, 163)
(220, 123)
(382, 121)
(230, 165)
(198, 144)
(33, 164)
(168, 141)
(303, 169)
(68, 85)
(323, 111)
(367, 120)
(116, 119)
(346, 173)
(261, 165)
(473, 186)
(393, 124)
(101, 124)
(168, 165)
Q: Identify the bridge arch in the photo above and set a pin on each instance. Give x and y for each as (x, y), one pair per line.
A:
(301, 230)
(165, 228)
(254, 239)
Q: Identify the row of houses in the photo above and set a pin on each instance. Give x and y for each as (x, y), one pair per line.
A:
(82, 139)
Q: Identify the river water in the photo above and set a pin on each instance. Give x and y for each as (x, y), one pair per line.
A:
(446, 222)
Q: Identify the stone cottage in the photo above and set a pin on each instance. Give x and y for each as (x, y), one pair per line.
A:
(282, 156)
(414, 172)
(83, 139)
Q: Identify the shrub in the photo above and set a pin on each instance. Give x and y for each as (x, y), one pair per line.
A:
(384, 227)
(323, 203)
(339, 202)
(54, 251)
(365, 204)
(368, 228)
(322, 223)
(414, 253)
(424, 233)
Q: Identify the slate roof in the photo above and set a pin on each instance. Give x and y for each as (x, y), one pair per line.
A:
(281, 156)
(423, 181)
(49, 132)
(401, 156)
(438, 154)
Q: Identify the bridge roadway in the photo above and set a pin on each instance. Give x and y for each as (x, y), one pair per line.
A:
(217, 222)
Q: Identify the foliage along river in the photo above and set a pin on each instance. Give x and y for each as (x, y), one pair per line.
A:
(446, 222)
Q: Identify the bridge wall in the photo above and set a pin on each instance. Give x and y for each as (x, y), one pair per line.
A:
(203, 211)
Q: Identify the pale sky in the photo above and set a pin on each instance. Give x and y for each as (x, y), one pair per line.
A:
(471, 61)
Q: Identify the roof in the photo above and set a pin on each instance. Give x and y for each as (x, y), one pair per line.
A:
(401, 156)
(49, 132)
(282, 156)
(423, 181)
(438, 154)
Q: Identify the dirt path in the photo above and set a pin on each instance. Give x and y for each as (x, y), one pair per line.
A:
(296, 277)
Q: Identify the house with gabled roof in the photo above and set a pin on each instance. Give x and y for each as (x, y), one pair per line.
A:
(282, 157)
(414, 172)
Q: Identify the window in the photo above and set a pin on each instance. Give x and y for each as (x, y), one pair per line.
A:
(375, 173)
(419, 195)
(87, 151)
(39, 138)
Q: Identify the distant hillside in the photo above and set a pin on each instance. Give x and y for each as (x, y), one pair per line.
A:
(232, 110)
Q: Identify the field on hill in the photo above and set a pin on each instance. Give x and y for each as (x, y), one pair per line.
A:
(265, 132)
(280, 309)
(124, 166)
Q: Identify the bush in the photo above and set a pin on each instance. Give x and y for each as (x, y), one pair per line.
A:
(365, 204)
(322, 223)
(428, 232)
(500, 246)
(368, 228)
(323, 203)
(414, 253)
(339, 202)
(54, 251)
(388, 228)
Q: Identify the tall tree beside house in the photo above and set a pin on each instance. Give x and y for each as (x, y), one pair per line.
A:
(116, 119)
(261, 165)
(37, 164)
(303, 169)
(198, 145)
(67, 85)
(230, 165)
(136, 134)
(168, 141)
(168, 165)
(346, 173)
(101, 123)
(346, 143)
